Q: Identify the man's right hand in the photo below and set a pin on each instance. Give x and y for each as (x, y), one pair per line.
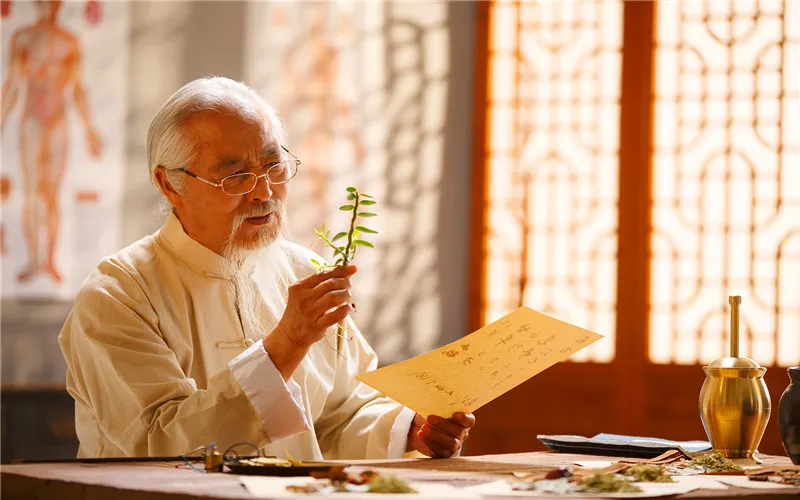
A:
(314, 304)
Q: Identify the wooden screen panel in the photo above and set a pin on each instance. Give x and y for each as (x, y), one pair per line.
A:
(726, 192)
(552, 167)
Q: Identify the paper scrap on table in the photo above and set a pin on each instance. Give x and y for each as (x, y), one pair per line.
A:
(745, 482)
(275, 488)
(472, 371)
(682, 484)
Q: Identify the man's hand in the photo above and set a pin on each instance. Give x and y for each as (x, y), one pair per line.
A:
(314, 304)
(439, 437)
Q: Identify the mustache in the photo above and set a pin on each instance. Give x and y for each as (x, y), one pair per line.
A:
(262, 209)
(275, 207)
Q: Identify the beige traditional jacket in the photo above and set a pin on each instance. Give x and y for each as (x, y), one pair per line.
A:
(158, 364)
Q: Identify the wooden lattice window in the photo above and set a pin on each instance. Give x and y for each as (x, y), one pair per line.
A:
(553, 163)
(722, 166)
(726, 170)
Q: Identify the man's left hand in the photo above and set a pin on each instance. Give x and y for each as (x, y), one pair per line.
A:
(439, 437)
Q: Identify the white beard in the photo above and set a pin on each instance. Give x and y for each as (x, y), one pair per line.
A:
(261, 277)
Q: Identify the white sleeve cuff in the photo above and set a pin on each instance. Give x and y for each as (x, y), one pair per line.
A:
(278, 404)
(398, 435)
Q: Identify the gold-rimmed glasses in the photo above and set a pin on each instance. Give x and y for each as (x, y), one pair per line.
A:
(242, 183)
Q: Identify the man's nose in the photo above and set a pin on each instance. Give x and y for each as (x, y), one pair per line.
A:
(263, 189)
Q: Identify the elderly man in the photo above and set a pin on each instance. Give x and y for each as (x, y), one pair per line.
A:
(212, 329)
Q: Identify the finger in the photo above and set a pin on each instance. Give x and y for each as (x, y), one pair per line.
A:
(337, 272)
(419, 445)
(333, 317)
(465, 419)
(437, 450)
(330, 285)
(445, 441)
(329, 301)
(447, 426)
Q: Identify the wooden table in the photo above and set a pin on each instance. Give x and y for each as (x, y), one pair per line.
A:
(174, 480)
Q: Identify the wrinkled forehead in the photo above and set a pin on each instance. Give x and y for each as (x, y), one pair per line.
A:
(229, 138)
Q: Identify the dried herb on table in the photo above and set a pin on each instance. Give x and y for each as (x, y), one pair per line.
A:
(389, 484)
(559, 473)
(603, 482)
(342, 482)
(783, 474)
(337, 474)
(644, 473)
(714, 462)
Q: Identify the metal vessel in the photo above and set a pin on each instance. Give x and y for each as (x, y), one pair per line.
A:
(734, 401)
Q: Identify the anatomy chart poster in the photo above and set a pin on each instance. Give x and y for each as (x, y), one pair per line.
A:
(64, 72)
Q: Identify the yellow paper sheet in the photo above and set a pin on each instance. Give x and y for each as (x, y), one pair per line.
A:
(474, 370)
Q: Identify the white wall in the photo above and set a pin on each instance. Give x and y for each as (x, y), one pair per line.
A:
(414, 298)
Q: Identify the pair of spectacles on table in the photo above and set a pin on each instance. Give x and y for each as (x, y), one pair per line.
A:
(277, 172)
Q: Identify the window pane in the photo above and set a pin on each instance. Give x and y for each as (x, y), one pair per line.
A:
(726, 213)
(553, 163)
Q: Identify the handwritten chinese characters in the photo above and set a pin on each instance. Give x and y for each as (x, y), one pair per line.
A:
(467, 374)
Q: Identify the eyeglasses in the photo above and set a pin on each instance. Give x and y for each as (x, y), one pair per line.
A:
(239, 184)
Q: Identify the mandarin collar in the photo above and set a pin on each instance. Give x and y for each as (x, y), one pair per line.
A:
(184, 248)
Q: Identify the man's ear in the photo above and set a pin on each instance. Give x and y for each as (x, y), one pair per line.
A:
(166, 188)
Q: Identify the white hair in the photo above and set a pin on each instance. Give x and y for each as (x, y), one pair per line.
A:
(167, 144)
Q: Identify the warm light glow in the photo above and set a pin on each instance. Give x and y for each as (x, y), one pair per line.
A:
(363, 90)
(726, 211)
(553, 165)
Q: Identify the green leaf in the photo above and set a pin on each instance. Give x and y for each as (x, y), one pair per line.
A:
(363, 243)
(339, 235)
(367, 214)
(351, 196)
(351, 189)
(366, 230)
(346, 208)
(315, 262)
(367, 196)
(368, 202)
(341, 250)
(339, 261)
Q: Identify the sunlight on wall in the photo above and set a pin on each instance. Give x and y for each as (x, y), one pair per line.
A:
(362, 88)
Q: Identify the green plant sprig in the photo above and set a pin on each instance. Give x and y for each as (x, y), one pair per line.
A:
(346, 253)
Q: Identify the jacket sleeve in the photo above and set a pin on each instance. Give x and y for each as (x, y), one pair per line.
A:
(120, 367)
(358, 422)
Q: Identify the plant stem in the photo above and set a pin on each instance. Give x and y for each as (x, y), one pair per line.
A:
(346, 260)
(350, 232)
